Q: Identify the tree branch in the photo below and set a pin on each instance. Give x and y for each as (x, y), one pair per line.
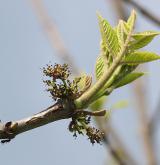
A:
(114, 144)
(119, 8)
(113, 152)
(154, 120)
(60, 110)
(144, 121)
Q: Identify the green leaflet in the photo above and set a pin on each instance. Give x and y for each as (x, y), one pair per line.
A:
(142, 39)
(100, 67)
(109, 36)
(121, 32)
(131, 20)
(129, 78)
(140, 57)
(126, 28)
(125, 70)
(139, 35)
(118, 77)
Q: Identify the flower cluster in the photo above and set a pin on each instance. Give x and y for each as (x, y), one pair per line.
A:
(58, 83)
(80, 125)
(94, 135)
(57, 71)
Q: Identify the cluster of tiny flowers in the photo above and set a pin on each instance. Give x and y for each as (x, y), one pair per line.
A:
(58, 83)
(94, 135)
(80, 125)
(57, 71)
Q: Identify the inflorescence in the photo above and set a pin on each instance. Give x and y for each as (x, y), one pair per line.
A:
(60, 87)
(80, 125)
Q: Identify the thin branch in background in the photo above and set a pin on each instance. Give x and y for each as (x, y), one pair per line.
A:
(114, 144)
(150, 16)
(144, 121)
(152, 124)
(155, 119)
(53, 34)
(119, 7)
(125, 154)
(113, 152)
(115, 155)
(140, 86)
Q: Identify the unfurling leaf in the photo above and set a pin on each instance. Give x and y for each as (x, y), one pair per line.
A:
(109, 36)
(131, 20)
(88, 82)
(85, 82)
(129, 78)
(121, 33)
(142, 39)
(140, 57)
(100, 67)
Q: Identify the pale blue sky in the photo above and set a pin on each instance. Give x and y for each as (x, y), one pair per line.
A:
(24, 49)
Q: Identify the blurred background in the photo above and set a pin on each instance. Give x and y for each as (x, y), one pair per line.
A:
(36, 32)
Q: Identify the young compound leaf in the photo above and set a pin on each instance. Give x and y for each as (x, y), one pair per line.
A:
(109, 36)
(116, 71)
(140, 57)
(129, 78)
(142, 39)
